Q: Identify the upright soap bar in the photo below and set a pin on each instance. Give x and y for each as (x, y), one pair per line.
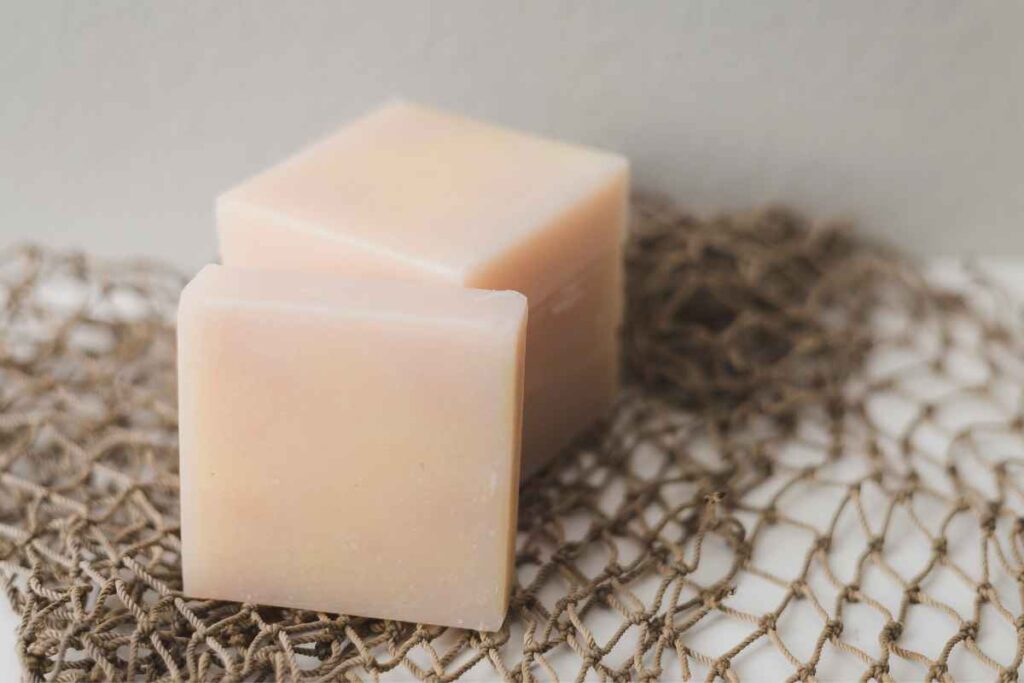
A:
(368, 430)
(409, 192)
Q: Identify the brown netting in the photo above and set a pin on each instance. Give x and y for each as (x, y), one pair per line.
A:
(815, 471)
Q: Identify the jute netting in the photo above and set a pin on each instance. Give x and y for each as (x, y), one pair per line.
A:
(814, 471)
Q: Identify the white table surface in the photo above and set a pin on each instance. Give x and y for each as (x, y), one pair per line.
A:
(1010, 272)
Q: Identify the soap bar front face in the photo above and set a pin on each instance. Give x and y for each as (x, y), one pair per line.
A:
(411, 193)
(350, 446)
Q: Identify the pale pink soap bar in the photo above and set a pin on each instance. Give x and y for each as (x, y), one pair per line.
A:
(367, 433)
(408, 192)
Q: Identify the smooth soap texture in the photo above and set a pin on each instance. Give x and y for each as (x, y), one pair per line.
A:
(411, 193)
(370, 428)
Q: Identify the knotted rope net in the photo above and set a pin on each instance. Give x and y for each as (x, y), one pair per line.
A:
(815, 470)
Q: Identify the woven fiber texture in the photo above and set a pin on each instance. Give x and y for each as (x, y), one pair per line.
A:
(816, 468)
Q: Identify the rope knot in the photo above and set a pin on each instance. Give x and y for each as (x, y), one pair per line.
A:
(940, 546)
(805, 673)
(833, 629)
(744, 552)
(769, 622)
(890, 633)
(969, 630)
(903, 495)
(714, 498)
(713, 598)
(720, 666)
(143, 627)
(637, 618)
(877, 672)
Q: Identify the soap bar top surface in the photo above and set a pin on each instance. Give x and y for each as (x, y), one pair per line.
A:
(330, 295)
(371, 429)
(437, 191)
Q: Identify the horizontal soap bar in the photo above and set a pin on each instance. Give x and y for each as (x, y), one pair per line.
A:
(369, 429)
(409, 192)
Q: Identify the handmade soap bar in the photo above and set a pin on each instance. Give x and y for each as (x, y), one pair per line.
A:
(350, 446)
(408, 192)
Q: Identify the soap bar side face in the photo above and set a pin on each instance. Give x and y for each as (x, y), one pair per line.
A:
(379, 452)
(589, 230)
(582, 314)
(566, 403)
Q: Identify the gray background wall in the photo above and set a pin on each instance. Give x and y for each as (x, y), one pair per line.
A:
(120, 121)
